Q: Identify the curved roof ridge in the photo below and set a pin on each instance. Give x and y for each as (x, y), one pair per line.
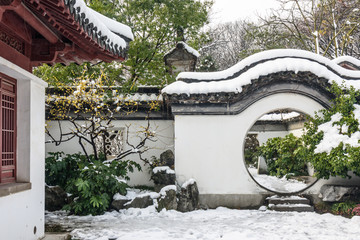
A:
(262, 64)
(265, 56)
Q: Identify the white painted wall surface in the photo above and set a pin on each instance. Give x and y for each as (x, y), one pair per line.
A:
(210, 148)
(262, 137)
(297, 132)
(21, 212)
(164, 136)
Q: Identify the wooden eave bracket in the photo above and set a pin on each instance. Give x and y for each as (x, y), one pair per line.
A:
(19, 7)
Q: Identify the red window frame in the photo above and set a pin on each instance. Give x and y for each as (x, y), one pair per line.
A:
(8, 120)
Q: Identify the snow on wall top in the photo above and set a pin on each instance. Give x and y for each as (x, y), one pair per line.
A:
(106, 27)
(349, 59)
(261, 64)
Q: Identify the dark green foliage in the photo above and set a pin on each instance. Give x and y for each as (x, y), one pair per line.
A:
(340, 160)
(59, 168)
(92, 184)
(251, 150)
(343, 208)
(285, 156)
(157, 27)
(58, 74)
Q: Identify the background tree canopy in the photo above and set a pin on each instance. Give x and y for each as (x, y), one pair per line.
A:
(157, 26)
(326, 27)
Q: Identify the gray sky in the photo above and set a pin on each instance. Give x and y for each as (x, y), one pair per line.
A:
(231, 10)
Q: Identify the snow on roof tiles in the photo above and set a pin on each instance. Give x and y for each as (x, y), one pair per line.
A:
(261, 64)
(190, 49)
(106, 28)
(114, 26)
(184, 46)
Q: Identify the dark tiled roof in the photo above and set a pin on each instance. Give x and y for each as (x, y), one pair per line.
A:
(87, 20)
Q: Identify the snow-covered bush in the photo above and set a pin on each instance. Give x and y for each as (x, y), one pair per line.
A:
(332, 136)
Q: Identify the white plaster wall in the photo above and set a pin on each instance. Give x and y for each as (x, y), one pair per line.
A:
(164, 136)
(210, 148)
(297, 132)
(21, 212)
(262, 137)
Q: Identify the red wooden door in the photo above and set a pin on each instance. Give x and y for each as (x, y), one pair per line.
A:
(8, 130)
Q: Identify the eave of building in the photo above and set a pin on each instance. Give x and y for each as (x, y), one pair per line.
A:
(55, 32)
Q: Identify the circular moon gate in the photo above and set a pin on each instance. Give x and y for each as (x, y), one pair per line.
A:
(281, 104)
(286, 176)
(214, 112)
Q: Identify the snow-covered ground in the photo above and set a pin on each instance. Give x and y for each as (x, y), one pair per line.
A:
(281, 185)
(221, 223)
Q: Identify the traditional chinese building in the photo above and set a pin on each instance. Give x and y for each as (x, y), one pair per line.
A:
(33, 32)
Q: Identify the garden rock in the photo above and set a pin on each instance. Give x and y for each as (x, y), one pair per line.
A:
(262, 166)
(332, 193)
(119, 204)
(140, 202)
(55, 198)
(167, 158)
(188, 196)
(163, 176)
(167, 199)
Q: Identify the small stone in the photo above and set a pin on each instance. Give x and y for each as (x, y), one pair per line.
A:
(188, 198)
(167, 158)
(119, 204)
(55, 198)
(262, 166)
(167, 201)
(140, 202)
(263, 208)
(203, 207)
(163, 177)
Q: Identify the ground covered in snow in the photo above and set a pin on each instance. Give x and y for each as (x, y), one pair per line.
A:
(282, 185)
(221, 223)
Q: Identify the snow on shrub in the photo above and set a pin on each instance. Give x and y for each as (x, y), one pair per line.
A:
(332, 136)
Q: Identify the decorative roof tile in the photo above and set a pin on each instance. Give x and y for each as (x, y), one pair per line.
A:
(110, 34)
